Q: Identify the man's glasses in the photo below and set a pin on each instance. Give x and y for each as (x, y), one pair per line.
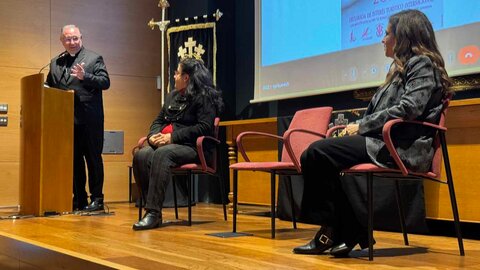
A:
(71, 39)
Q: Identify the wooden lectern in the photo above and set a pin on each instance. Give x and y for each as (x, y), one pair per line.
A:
(46, 148)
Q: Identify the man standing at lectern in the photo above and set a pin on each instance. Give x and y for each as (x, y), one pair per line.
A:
(84, 72)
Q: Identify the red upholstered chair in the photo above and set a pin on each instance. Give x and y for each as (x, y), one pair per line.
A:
(204, 167)
(306, 127)
(141, 142)
(370, 169)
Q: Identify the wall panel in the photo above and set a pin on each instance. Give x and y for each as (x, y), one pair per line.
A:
(9, 182)
(10, 94)
(131, 106)
(117, 29)
(25, 33)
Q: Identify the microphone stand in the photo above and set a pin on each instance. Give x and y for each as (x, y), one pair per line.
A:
(58, 57)
(40, 71)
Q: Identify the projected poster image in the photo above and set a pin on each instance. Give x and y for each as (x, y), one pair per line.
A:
(364, 21)
(323, 47)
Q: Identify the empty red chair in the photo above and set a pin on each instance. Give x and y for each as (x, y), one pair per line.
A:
(306, 127)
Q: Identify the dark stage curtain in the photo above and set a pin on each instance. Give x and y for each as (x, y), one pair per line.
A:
(385, 207)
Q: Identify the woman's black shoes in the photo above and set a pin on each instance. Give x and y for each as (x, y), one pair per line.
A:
(319, 244)
(342, 250)
(151, 220)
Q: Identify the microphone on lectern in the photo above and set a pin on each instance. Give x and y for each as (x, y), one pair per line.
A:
(58, 57)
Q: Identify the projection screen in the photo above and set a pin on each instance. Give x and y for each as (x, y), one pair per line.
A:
(313, 47)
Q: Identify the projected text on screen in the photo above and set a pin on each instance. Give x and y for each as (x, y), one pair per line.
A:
(326, 46)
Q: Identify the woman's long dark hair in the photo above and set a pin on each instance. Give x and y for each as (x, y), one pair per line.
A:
(414, 35)
(200, 82)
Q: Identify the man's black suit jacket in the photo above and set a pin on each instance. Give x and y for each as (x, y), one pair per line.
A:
(88, 92)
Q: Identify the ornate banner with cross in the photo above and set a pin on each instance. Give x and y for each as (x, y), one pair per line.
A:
(195, 40)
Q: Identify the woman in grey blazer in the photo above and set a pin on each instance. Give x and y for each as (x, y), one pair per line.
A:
(413, 90)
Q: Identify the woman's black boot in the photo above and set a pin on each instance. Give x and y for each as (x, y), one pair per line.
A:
(322, 241)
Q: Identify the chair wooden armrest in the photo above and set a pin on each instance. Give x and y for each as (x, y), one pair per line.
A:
(240, 136)
(139, 145)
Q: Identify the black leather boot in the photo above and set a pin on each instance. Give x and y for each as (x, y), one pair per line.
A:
(151, 220)
(342, 250)
(95, 205)
(319, 244)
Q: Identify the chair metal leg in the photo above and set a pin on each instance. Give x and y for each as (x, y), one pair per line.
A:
(272, 202)
(451, 191)
(370, 214)
(401, 212)
(174, 183)
(130, 168)
(141, 197)
(189, 190)
(223, 195)
(140, 207)
(292, 203)
(235, 183)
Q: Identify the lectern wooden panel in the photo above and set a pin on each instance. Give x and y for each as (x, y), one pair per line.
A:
(46, 148)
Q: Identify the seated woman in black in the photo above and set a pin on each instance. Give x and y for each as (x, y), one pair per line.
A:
(413, 89)
(188, 113)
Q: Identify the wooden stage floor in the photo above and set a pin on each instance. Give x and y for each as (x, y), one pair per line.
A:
(108, 242)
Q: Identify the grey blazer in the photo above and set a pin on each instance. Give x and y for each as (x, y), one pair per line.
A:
(417, 96)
